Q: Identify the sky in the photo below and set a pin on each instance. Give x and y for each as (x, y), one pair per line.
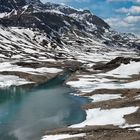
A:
(122, 15)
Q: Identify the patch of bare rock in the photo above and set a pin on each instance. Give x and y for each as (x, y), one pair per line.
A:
(115, 63)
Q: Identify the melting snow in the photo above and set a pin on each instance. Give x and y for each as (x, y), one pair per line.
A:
(106, 117)
(6, 66)
(3, 15)
(137, 97)
(61, 136)
(125, 70)
(90, 83)
(9, 80)
(104, 97)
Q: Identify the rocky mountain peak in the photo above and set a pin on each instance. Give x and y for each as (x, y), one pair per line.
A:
(9, 5)
(33, 1)
(60, 22)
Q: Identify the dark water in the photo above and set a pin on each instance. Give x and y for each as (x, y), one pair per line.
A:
(26, 113)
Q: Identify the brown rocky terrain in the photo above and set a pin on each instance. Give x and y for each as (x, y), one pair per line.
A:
(129, 97)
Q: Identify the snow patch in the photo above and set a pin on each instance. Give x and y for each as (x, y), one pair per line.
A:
(6, 66)
(61, 136)
(104, 97)
(137, 97)
(98, 116)
(125, 70)
(9, 80)
(90, 84)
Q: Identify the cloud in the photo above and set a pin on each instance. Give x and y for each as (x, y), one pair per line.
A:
(131, 10)
(125, 24)
(132, 19)
(56, 1)
(118, 23)
(125, 18)
(65, 1)
(82, 1)
(134, 1)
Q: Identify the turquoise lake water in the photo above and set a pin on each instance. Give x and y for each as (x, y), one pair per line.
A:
(25, 113)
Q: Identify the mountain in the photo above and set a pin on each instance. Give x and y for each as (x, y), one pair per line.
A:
(32, 25)
(8, 5)
(39, 42)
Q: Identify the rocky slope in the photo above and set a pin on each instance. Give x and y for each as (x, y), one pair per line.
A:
(51, 28)
(114, 110)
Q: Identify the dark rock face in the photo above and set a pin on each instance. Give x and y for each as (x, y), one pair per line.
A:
(9, 5)
(33, 2)
(53, 20)
(115, 63)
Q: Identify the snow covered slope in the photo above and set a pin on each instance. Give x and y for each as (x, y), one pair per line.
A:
(37, 32)
(18, 43)
(29, 28)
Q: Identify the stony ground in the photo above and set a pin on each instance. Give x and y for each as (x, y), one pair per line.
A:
(130, 130)
(92, 76)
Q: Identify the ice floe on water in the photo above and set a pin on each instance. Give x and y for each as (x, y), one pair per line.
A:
(99, 116)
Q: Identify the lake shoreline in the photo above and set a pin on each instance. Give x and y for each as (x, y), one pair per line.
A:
(114, 109)
(67, 110)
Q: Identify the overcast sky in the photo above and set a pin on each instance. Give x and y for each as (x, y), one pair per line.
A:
(123, 15)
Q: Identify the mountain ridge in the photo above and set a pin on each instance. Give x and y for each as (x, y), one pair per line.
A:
(63, 26)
